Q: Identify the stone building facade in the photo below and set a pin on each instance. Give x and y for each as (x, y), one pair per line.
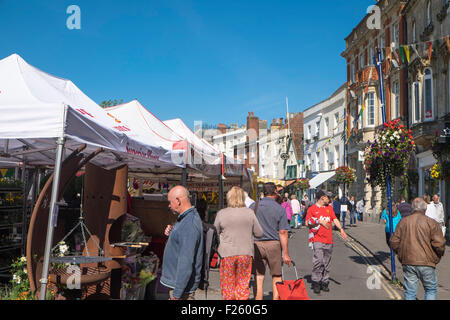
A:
(363, 90)
(428, 88)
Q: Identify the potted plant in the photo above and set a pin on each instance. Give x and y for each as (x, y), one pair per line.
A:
(388, 153)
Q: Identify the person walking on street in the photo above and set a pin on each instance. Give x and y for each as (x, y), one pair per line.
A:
(352, 210)
(319, 220)
(183, 254)
(404, 207)
(272, 248)
(295, 204)
(236, 226)
(337, 209)
(419, 245)
(396, 217)
(344, 209)
(435, 210)
(360, 209)
(306, 204)
(287, 207)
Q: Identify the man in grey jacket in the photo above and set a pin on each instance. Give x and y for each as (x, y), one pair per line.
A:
(183, 253)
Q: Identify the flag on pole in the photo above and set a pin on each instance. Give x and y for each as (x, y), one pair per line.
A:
(430, 49)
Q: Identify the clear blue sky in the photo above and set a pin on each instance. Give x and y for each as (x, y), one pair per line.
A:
(197, 60)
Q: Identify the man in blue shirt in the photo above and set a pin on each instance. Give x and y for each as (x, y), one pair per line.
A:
(183, 253)
(337, 209)
(272, 247)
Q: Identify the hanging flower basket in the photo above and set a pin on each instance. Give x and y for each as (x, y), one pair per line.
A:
(391, 151)
(345, 174)
(302, 184)
(441, 152)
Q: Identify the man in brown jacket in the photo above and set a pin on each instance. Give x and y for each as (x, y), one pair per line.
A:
(419, 245)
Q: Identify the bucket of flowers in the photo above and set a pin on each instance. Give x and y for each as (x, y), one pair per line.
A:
(390, 151)
(345, 174)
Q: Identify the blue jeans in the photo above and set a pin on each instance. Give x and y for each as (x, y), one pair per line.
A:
(352, 217)
(343, 213)
(427, 275)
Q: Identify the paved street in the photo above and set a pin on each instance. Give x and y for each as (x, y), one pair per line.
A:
(371, 235)
(349, 272)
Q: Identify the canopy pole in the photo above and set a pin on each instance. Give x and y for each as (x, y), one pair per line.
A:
(184, 176)
(50, 228)
(221, 202)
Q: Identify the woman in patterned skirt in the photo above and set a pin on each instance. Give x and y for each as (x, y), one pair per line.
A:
(236, 226)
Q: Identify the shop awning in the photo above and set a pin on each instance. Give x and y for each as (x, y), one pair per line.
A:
(321, 178)
(276, 181)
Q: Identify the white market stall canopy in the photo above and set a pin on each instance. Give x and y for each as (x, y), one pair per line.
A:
(321, 178)
(37, 108)
(232, 167)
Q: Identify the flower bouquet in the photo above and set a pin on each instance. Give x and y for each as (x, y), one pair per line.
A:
(345, 174)
(391, 150)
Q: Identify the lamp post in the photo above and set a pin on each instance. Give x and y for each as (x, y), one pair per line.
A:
(378, 64)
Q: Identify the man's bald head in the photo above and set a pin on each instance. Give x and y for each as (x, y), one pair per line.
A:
(179, 192)
(179, 200)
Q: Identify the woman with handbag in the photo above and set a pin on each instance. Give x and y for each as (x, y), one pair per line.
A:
(237, 226)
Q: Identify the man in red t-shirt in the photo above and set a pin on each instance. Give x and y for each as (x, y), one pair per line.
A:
(319, 219)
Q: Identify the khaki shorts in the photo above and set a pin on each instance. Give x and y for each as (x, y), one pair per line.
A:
(267, 252)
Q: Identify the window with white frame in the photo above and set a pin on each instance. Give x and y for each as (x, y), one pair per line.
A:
(370, 109)
(371, 54)
(360, 105)
(317, 161)
(336, 156)
(361, 61)
(317, 129)
(395, 35)
(325, 160)
(352, 72)
(395, 104)
(309, 136)
(309, 163)
(428, 95)
(326, 127)
(336, 119)
(382, 46)
(416, 101)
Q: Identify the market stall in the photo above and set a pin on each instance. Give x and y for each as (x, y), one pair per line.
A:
(46, 120)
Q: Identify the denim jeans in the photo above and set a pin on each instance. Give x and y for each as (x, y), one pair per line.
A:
(427, 275)
(343, 213)
(352, 217)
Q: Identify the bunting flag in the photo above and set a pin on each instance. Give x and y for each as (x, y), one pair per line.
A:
(430, 50)
(402, 54)
(406, 50)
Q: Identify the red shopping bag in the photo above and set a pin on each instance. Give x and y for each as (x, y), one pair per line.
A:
(292, 289)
